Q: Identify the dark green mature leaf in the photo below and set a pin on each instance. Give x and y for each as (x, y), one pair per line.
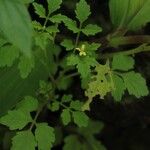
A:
(82, 11)
(16, 24)
(45, 136)
(129, 14)
(68, 44)
(17, 87)
(135, 84)
(24, 141)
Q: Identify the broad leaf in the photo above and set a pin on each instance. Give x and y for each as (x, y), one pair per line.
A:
(16, 24)
(130, 14)
(66, 116)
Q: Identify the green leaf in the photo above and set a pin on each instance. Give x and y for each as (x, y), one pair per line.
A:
(83, 64)
(72, 141)
(129, 14)
(55, 106)
(39, 9)
(28, 104)
(135, 84)
(76, 105)
(80, 118)
(18, 87)
(25, 66)
(66, 98)
(24, 141)
(119, 88)
(91, 29)
(52, 29)
(68, 44)
(100, 85)
(82, 11)
(16, 119)
(58, 18)
(71, 25)
(16, 24)
(8, 54)
(122, 62)
(53, 5)
(66, 117)
(45, 136)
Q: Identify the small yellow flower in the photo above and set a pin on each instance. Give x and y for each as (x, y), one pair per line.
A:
(82, 50)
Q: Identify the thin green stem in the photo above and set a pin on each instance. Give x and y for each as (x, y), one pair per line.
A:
(46, 20)
(142, 48)
(78, 36)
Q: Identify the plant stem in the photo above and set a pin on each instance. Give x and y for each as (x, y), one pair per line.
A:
(35, 118)
(46, 20)
(142, 48)
(78, 36)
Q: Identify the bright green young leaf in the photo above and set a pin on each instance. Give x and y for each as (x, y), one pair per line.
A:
(100, 85)
(16, 119)
(91, 29)
(119, 88)
(80, 118)
(16, 24)
(28, 104)
(82, 11)
(135, 84)
(71, 25)
(45, 136)
(83, 64)
(68, 44)
(25, 66)
(53, 5)
(122, 62)
(40, 10)
(24, 140)
(66, 116)
(8, 54)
